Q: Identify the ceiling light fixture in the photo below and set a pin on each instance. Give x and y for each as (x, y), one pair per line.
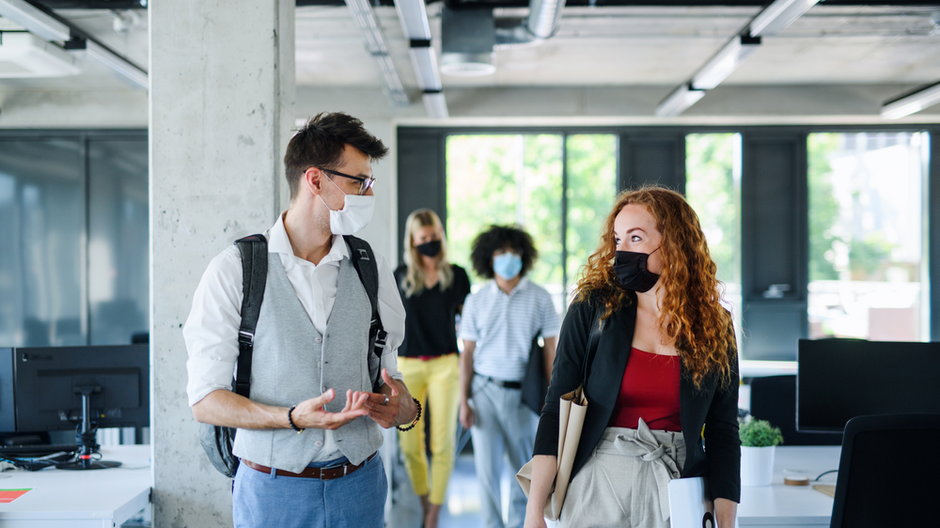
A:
(769, 21)
(34, 20)
(912, 102)
(723, 63)
(679, 100)
(50, 28)
(435, 105)
(25, 55)
(778, 16)
(413, 15)
(129, 71)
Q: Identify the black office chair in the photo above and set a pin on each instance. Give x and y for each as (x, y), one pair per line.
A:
(889, 473)
(773, 398)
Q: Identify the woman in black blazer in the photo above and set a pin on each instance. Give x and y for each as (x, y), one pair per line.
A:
(662, 368)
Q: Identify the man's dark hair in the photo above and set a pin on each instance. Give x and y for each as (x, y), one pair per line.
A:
(501, 237)
(321, 141)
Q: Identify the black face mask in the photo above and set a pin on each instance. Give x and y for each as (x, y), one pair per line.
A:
(429, 249)
(630, 269)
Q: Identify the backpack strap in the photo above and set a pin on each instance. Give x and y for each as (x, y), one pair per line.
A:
(254, 253)
(363, 259)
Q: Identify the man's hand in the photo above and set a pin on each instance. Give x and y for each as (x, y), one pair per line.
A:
(384, 407)
(311, 413)
(466, 414)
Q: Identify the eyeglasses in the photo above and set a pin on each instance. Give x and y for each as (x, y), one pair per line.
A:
(364, 183)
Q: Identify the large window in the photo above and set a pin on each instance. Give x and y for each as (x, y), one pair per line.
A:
(866, 235)
(815, 232)
(557, 187)
(713, 188)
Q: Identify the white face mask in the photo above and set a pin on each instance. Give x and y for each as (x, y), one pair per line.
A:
(355, 214)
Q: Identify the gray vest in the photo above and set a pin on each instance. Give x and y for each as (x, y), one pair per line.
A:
(293, 362)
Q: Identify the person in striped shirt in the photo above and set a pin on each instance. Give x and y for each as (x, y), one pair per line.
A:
(498, 325)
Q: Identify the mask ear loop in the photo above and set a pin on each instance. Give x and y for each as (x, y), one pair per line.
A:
(340, 190)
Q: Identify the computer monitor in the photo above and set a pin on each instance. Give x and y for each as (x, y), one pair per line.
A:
(838, 379)
(81, 388)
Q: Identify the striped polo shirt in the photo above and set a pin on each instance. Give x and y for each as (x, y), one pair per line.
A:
(503, 325)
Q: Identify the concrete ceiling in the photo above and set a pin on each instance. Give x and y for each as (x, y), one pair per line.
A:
(594, 47)
(622, 46)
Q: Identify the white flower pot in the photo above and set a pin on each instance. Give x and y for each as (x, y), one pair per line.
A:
(757, 466)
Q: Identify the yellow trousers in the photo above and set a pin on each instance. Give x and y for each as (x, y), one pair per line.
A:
(436, 380)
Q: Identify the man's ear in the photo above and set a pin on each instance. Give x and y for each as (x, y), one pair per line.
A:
(312, 179)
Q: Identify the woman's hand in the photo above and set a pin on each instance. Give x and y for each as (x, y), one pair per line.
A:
(534, 519)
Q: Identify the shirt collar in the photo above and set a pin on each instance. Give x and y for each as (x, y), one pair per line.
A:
(279, 242)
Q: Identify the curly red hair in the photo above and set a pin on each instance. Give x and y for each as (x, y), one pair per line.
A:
(691, 313)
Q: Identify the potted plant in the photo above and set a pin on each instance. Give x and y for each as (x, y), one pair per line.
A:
(758, 439)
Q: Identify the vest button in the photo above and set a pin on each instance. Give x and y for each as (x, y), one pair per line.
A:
(319, 443)
(319, 340)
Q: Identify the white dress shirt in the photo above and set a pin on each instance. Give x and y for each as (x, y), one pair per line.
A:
(211, 331)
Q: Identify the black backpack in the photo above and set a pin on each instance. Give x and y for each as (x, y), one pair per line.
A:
(217, 440)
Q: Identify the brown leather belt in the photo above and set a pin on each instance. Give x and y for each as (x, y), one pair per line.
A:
(328, 473)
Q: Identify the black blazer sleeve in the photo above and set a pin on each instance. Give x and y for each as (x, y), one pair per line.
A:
(570, 355)
(722, 443)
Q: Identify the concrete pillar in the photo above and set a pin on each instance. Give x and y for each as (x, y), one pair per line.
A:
(221, 92)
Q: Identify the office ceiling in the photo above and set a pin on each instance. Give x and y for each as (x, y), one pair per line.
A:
(623, 46)
(835, 43)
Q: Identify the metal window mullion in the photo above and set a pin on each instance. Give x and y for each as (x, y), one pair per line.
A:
(564, 218)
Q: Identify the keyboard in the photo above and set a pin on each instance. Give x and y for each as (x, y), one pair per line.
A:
(34, 450)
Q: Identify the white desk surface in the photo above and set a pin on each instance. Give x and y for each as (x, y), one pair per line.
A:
(78, 499)
(779, 505)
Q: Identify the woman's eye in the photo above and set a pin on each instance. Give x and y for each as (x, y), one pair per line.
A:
(616, 241)
(635, 238)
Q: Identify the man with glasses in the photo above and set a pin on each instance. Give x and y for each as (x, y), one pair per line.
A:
(307, 437)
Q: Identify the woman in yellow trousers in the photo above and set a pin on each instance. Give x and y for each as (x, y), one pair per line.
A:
(433, 291)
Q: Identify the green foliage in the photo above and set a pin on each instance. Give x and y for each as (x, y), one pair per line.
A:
(823, 207)
(759, 433)
(517, 178)
(714, 191)
(869, 255)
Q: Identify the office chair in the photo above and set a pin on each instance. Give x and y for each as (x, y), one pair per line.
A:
(773, 398)
(889, 473)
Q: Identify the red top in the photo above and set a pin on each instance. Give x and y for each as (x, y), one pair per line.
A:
(649, 390)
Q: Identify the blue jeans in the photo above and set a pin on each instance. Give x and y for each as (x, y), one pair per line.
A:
(354, 501)
(503, 428)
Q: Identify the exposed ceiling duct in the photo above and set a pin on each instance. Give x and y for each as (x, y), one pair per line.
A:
(470, 34)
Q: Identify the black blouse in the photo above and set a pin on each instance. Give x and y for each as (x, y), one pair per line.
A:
(430, 315)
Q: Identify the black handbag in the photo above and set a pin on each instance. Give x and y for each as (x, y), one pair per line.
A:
(534, 384)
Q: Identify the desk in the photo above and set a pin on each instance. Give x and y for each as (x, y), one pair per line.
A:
(779, 505)
(102, 498)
